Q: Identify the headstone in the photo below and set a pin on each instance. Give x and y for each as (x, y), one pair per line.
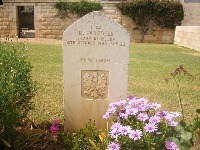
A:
(95, 66)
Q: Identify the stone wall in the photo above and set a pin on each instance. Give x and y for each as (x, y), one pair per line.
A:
(188, 36)
(47, 25)
(192, 15)
(4, 21)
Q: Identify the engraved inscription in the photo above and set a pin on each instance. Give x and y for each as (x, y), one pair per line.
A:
(95, 36)
(94, 84)
(100, 60)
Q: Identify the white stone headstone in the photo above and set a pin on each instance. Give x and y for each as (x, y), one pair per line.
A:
(95, 66)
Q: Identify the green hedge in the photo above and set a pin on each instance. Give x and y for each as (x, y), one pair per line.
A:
(16, 89)
(80, 8)
(148, 13)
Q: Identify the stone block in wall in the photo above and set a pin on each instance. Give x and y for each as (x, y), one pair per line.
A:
(56, 32)
(52, 11)
(59, 37)
(4, 20)
(55, 23)
(167, 33)
(149, 37)
(167, 39)
(51, 36)
(45, 32)
(46, 24)
(54, 28)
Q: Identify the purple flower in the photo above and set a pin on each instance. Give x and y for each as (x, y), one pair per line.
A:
(113, 104)
(172, 123)
(142, 117)
(106, 116)
(121, 102)
(124, 130)
(154, 119)
(176, 114)
(112, 110)
(135, 134)
(155, 106)
(114, 146)
(171, 146)
(143, 107)
(150, 127)
(169, 117)
(131, 111)
(130, 97)
(54, 128)
(115, 126)
(122, 114)
(114, 133)
(132, 102)
(162, 113)
(142, 101)
(55, 122)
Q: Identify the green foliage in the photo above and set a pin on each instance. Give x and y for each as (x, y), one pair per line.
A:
(85, 138)
(184, 137)
(148, 13)
(188, 135)
(80, 8)
(16, 88)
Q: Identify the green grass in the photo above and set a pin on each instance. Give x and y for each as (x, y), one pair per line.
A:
(149, 65)
(47, 72)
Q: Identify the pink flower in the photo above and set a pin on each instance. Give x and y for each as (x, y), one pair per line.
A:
(154, 119)
(124, 130)
(150, 127)
(54, 128)
(142, 117)
(55, 122)
(171, 146)
(135, 134)
(114, 146)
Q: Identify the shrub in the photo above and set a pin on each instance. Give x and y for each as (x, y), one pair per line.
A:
(148, 13)
(16, 88)
(85, 138)
(80, 8)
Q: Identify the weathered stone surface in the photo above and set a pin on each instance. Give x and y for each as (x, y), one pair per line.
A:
(188, 36)
(95, 66)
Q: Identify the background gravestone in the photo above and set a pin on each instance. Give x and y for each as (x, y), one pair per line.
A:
(95, 66)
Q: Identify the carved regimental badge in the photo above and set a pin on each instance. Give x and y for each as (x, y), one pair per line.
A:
(94, 84)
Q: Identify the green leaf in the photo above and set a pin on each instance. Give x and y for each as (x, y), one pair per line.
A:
(183, 134)
(198, 111)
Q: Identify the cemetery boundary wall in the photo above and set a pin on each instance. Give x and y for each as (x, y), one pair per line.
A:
(48, 25)
(188, 36)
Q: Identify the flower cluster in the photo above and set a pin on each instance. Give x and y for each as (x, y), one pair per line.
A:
(171, 145)
(54, 128)
(137, 124)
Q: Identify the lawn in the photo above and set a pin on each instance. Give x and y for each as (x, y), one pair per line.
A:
(149, 65)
